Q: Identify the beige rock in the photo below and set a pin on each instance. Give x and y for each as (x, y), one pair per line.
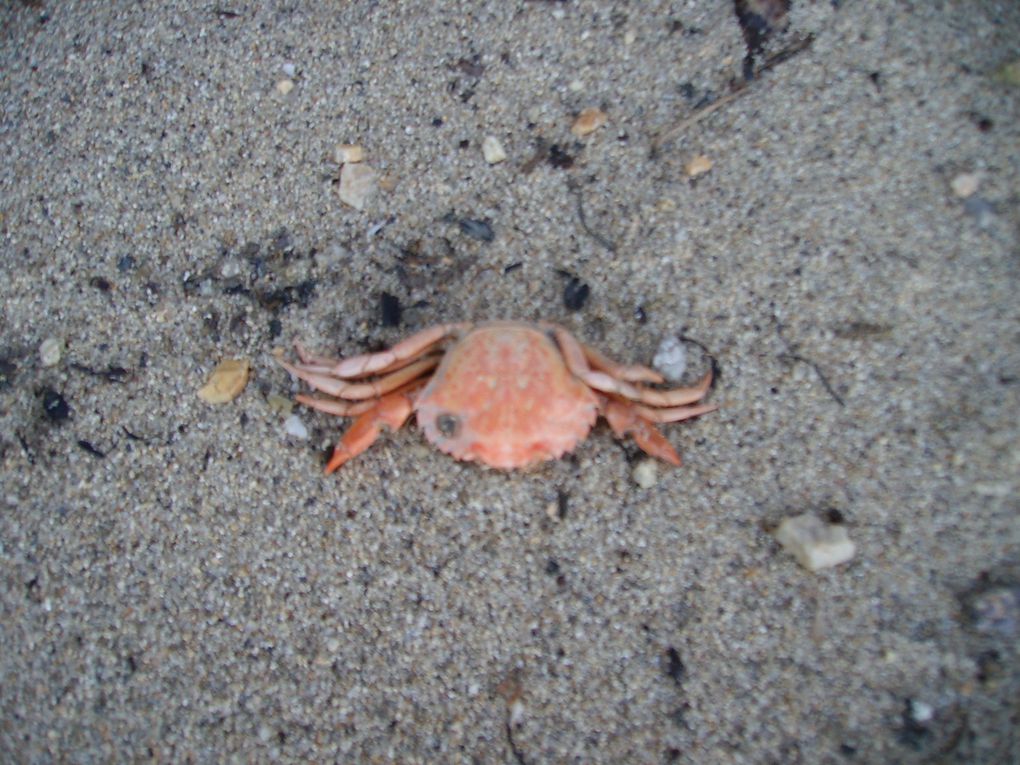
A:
(492, 150)
(357, 184)
(283, 87)
(226, 381)
(645, 473)
(50, 351)
(814, 543)
(965, 184)
(349, 153)
(698, 165)
(588, 121)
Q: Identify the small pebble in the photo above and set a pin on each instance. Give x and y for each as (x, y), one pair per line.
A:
(588, 121)
(349, 153)
(279, 404)
(283, 87)
(289, 69)
(293, 426)
(698, 165)
(645, 474)
(357, 184)
(965, 184)
(814, 543)
(671, 358)
(226, 381)
(492, 150)
(920, 711)
(50, 351)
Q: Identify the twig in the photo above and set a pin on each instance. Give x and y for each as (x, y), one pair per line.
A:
(818, 371)
(774, 60)
(605, 242)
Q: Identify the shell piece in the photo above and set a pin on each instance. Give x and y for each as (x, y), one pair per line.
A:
(588, 121)
(226, 381)
(504, 396)
(357, 184)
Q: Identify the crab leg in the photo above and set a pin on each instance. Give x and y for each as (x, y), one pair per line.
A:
(366, 389)
(391, 412)
(625, 421)
(335, 406)
(577, 363)
(672, 414)
(325, 365)
(628, 372)
(384, 361)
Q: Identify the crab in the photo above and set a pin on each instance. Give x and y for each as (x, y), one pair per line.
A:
(503, 393)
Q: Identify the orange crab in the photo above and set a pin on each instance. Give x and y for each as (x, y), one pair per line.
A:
(508, 394)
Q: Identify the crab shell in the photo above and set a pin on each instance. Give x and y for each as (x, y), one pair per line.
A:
(506, 394)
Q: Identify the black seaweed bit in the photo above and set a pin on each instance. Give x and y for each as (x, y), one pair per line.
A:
(674, 665)
(389, 306)
(575, 294)
(91, 449)
(55, 406)
(512, 267)
(477, 229)
(101, 284)
(559, 158)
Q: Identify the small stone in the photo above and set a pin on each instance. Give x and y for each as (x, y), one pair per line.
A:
(965, 184)
(226, 381)
(920, 711)
(492, 150)
(293, 426)
(588, 121)
(289, 69)
(50, 351)
(357, 184)
(698, 165)
(814, 543)
(347, 153)
(279, 404)
(230, 268)
(629, 37)
(645, 473)
(285, 86)
(671, 358)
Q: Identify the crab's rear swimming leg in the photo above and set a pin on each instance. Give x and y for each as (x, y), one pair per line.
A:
(389, 412)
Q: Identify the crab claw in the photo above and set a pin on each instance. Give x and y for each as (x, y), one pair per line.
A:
(625, 421)
(390, 412)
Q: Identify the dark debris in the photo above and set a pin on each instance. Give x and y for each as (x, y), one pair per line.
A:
(55, 406)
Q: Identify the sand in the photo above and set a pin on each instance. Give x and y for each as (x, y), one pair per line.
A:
(181, 583)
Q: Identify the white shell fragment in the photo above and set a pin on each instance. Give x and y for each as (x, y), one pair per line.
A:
(293, 426)
(50, 351)
(492, 150)
(349, 153)
(814, 543)
(965, 185)
(226, 381)
(645, 473)
(357, 184)
(588, 121)
(671, 358)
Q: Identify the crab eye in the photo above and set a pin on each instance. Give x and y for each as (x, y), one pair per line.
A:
(448, 424)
